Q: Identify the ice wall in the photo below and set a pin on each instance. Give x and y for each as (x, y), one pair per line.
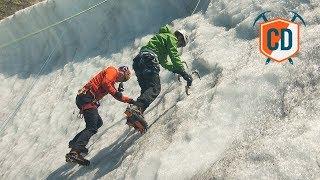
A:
(105, 29)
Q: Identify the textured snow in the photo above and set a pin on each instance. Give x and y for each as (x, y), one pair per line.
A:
(243, 120)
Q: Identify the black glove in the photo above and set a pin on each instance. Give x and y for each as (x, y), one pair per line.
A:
(118, 95)
(186, 77)
(131, 101)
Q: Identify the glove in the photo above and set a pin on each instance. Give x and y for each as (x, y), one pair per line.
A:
(186, 77)
(131, 101)
(120, 87)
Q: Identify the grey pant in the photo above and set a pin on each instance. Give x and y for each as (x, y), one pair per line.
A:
(146, 67)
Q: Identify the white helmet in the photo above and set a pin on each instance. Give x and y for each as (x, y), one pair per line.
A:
(182, 37)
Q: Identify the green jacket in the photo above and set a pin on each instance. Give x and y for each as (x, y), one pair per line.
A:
(164, 44)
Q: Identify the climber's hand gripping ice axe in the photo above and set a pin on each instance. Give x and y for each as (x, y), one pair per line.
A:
(193, 73)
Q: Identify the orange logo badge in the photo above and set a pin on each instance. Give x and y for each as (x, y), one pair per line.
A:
(279, 38)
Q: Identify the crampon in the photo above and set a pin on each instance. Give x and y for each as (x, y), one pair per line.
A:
(75, 157)
(136, 120)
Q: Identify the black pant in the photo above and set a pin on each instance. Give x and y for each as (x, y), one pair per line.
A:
(146, 67)
(93, 123)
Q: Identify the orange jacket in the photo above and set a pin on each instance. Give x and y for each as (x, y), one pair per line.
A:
(103, 84)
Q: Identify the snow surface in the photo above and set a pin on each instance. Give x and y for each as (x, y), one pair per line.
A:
(244, 120)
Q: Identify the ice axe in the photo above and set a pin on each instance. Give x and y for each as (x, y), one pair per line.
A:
(187, 88)
(265, 19)
(263, 16)
(195, 72)
(295, 16)
(293, 19)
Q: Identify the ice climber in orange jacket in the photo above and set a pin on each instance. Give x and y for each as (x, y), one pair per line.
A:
(87, 101)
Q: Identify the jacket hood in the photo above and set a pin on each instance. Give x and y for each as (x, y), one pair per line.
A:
(165, 29)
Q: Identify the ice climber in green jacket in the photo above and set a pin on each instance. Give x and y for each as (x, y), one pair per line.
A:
(147, 67)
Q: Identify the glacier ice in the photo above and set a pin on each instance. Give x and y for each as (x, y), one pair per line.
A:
(244, 120)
